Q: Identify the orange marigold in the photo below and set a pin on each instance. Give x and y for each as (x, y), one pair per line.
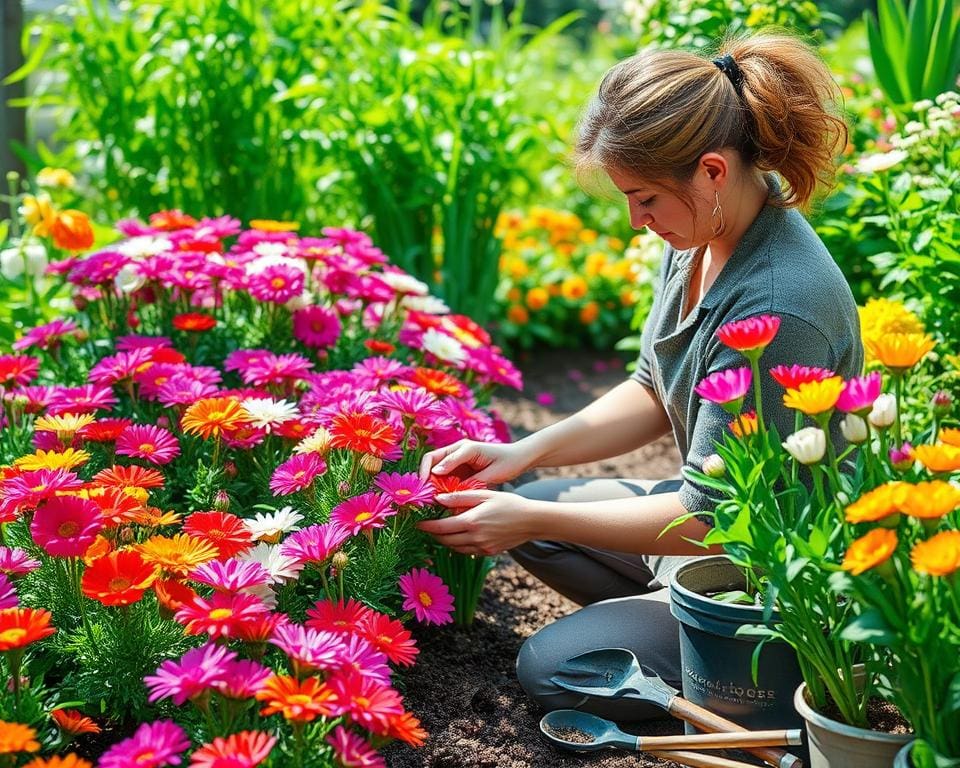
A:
(950, 437)
(300, 701)
(73, 722)
(930, 500)
(938, 458)
(177, 555)
(67, 761)
(899, 351)
(16, 737)
(214, 416)
(71, 231)
(874, 505)
(937, 556)
(870, 551)
(746, 424)
(129, 477)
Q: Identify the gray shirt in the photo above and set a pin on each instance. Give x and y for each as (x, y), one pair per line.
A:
(780, 267)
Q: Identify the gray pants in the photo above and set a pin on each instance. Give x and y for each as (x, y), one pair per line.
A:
(627, 603)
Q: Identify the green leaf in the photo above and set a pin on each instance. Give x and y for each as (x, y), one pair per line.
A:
(32, 62)
(936, 76)
(882, 56)
(918, 47)
(869, 627)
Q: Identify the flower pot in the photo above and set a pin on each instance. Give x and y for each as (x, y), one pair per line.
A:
(837, 745)
(716, 664)
(902, 760)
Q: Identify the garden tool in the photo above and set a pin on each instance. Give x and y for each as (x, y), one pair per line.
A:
(614, 673)
(582, 732)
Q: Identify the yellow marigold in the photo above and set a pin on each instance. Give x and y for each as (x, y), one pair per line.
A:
(39, 213)
(213, 416)
(874, 505)
(937, 556)
(814, 397)
(615, 243)
(66, 425)
(270, 225)
(588, 236)
(938, 458)
(628, 297)
(882, 316)
(928, 500)
(516, 268)
(537, 298)
(55, 177)
(508, 221)
(16, 737)
(178, 554)
(566, 249)
(746, 424)
(870, 551)
(589, 312)
(950, 437)
(518, 314)
(153, 517)
(594, 263)
(899, 351)
(618, 270)
(554, 289)
(67, 459)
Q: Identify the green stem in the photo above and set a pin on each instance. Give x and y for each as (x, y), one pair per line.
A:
(898, 389)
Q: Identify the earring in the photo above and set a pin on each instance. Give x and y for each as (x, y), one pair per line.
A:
(717, 213)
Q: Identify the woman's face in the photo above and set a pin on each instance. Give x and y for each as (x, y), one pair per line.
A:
(653, 207)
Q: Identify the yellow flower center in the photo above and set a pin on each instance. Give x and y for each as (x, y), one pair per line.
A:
(146, 447)
(425, 600)
(404, 492)
(119, 584)
(218, 614)
(278, 282)
(67, 529)
(13, 635)
(362, 516)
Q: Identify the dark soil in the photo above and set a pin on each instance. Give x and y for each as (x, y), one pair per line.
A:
(463, 685)
(881, 715)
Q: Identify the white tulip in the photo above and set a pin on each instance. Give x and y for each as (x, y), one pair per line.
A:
(807, 445)
(854, 429)
(12, 261)
(884, 411)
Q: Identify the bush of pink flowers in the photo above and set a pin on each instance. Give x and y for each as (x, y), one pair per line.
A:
(209, 490)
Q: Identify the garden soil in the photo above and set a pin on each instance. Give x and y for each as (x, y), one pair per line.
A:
(463, 686)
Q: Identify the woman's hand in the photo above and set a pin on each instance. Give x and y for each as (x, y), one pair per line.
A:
(490, 463)
(491, 521)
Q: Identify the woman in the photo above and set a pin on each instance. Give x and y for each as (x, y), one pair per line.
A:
(715, 157)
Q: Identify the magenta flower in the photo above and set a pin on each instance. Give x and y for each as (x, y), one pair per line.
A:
(339, 616)
(65, 526)
(309, 649)
(8, 595)
(546, 399)
(138, 341)
(83, 399)
(380, 369)
(315, 544)
(360, 655)
(412, 403)
(791, 377)
(275, 369)
(902, 458)
(317, 327)
(15, 562)
(18, 369)
(233, 575)
(859, 393)
(121, 366)
(26, 491)
(352, 750)
(152, 745)
(242, 678)
(198, 670)
(276, 283)
(726, 388)
(47, 336)
(368, 702)
(183, 390)
(427, 596)
(220, 614)
(296, 473)
(491, 366)
(405, 489)
(362, 513)
(145, 441)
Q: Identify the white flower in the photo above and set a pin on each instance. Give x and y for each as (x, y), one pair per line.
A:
(299, 302)
(270, 249)
(144, 245)
(259, 264)
(129, 279)
(881, 162)
(316, 442)
(280, 567)
(884, 411)
(401, 282)
(444, 347)
(431, 305)
(269, 527)
(854, 429)
(267, 413)
(714, 466)
(807, 445)
(265, 592)
(12, 261)
(922, 105)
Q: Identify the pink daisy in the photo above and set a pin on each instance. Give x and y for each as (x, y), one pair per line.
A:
(15, 562)
(241, 679)
(183, 390)
(138, 341)
(491, 366)
(83, 399)
(233, 575)
(276, 369)
(277, 283)
(36, 397)
(473, 422)
(121, 366)
(368, 702)
(380, 369)
(47, 336)
(352, 751)
(427, 596)
(145, 441)
(309, 649)
(197, 670)
(8, 595)
(27, 490)
(246, 749)
(317, 327)
(315, 544)
(406, 489)
(362, 657)
(219, 614)
(65, 526)
(412, 404)
(337, 617)
(152, 745)
(296, 473)
(362, 513)
(18, 370)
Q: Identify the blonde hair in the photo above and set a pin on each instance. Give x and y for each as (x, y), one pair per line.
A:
(656, 113)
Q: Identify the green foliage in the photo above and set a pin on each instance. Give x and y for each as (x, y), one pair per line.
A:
(464, 575)
(915, 47)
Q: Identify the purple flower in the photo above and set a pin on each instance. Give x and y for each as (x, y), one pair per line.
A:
(309, 649)
(317, 327)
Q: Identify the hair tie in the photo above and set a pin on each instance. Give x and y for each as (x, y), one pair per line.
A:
(728, 66)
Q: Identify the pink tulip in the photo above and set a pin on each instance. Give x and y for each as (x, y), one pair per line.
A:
(726, 388)
(859, 394)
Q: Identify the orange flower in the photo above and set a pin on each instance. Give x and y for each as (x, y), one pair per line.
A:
(438, 382)
(574, 287)
(950, 437)
(814, 397)
(16, 737)
(171, 220)
(101, 547)
(589, 312)
(73, 722)
(129, 477)
(874, 505)
(937, 556)
(68, 761)
(71, 231)
(118, 578)
(177, 555)
(363, 433)
(928, 501)
(938, 458)
(899, 351)
(537, 298)
(172, 596)
(152, 517)
(407, 728)
(870, 551)
(300, 701)
(748, 422)
(517, 314)
(214, 416)
(21, 626)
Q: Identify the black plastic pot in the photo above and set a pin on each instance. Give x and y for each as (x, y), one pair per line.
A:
(716, 664)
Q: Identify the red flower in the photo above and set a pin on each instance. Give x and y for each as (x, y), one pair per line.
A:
(379, 347)
(172, 595)
(194, 321)
(171, 220)
(21, 626)
(453, 484)
(225, 531)
(337, 617)
(129, 477)
(245, 749)
(72, 722)
(390, 637)
(754, 333)
(791, 377)
(118, 578)
(407, 728)
(104, 430)
(363, 433)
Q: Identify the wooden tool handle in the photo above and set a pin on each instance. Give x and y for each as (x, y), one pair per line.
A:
(722, 740)
(706, 720)
(697, 760)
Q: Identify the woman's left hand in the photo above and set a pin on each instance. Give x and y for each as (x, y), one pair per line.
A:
(491, 521)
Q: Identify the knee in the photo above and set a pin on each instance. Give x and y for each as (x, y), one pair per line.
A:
(547, 489)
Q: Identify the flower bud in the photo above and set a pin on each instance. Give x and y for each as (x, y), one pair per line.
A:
(884, 411)
(854, 429)
(340, 561)
(229, 469)
(221, 501)
(902, 458)
(942, 402)
(343, 489)
(714, 466)
(370, 463)
(807, 445)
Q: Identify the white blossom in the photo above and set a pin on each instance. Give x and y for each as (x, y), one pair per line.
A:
(807, 445)
(267, 413)
(884, 411)
(444, 347)
(881, 162)
(854, 429)
(280, 567)
(12, 261)
(401, 282)
(271, 526)
(431, 305)
(144, 245)
(129, 279)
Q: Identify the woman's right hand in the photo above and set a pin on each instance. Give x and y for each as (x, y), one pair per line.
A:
(490, 463)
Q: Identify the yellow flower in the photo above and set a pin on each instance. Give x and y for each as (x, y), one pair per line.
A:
(950, 437)
(899, 351)
(881, 316)
(746, 424)
(595, 262)
(39, 213)
(537, 298)
(67, 459)
(616, 243)
(66, 425)
(628, 297)
(589, 312)
(588, 236)
(516, 268)
(574, 287)
(177, 555)
(938, 458)
(930, 500)
(874, 505)
(937, 556)
(870, 551)
(814, 397)
(269, 225)
(55, 177)
(518, 314)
